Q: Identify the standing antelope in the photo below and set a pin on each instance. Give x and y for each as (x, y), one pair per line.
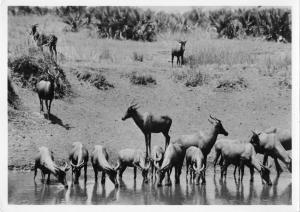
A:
(44, 40)
(45, 162)
(148, 123)
(78, 157)
(45, 90)
(203, 140)
(178, 52)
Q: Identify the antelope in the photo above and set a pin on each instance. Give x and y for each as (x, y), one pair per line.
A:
(243, 154)
(45, 90)
(194, 164)
(78, 157)
(218, 148)
(133, 158)
(178, 52)
(284, 136)
(174, 157)
(148, 123)
(157, 159)
(269, 144)
(99, 159)
(44, 40)
(45, 162)
(203, 140)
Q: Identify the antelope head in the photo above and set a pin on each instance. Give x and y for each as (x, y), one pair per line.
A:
(218, 125)
(255, 138)
(61, 174)
(33, 29)
(131, 110)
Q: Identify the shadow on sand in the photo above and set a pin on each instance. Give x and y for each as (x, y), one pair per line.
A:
(55, 120)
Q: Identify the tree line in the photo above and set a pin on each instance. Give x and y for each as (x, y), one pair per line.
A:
(118, 22)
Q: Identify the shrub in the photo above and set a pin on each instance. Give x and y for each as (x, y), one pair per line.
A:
(195, 78)
(96, 79)
(27, 70)
(231, 85)
(138, 57)
(12, 97)
(139, 79)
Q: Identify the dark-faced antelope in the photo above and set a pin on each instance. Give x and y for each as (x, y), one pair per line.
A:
(45, 162)
(44, 40)
(45, 90)
(148, 123)
(133, 158)
(78, 157)
(203, 140)
(268, 144)
(178, 52)
(99, 159)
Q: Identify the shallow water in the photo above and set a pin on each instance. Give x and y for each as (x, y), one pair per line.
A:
(23, 190)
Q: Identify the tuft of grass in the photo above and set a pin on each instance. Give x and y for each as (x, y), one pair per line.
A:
(191, 77)
(138, 57)
(106, 55)
(231, 85)
(96, 79)
(140, 79)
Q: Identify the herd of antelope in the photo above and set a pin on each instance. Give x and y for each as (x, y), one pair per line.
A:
(159, 161)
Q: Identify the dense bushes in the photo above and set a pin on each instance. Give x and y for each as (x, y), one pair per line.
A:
(137, 24)
(27, 70)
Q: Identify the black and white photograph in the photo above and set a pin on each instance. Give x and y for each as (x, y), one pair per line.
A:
(116, 104)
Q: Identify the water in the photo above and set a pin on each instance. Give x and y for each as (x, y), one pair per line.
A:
(23, 190)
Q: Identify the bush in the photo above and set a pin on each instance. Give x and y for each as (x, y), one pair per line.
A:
(139, 79)
(27, 70)
(231, 85)
(195, 79)
(138, 57)
(12, 97)
(96, 79)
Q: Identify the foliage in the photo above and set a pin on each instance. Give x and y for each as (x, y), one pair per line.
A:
(119, 22)
(74, 16)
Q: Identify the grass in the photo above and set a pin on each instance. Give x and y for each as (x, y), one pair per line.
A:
(191, 77)
(138, 57)
(30, 67)
(231, 85)
(96, 79)
(141, 79)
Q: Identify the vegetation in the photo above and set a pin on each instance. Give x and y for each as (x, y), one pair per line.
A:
(140, 79)
(272, 24)
(28, 69)
(96, 79)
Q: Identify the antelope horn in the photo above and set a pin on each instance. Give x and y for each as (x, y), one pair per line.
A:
(155, 164)
(73, 165)
(66, 165)
(214, 118)
(81, 164)
(202, 168)
(50, 74)
(194, 167)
